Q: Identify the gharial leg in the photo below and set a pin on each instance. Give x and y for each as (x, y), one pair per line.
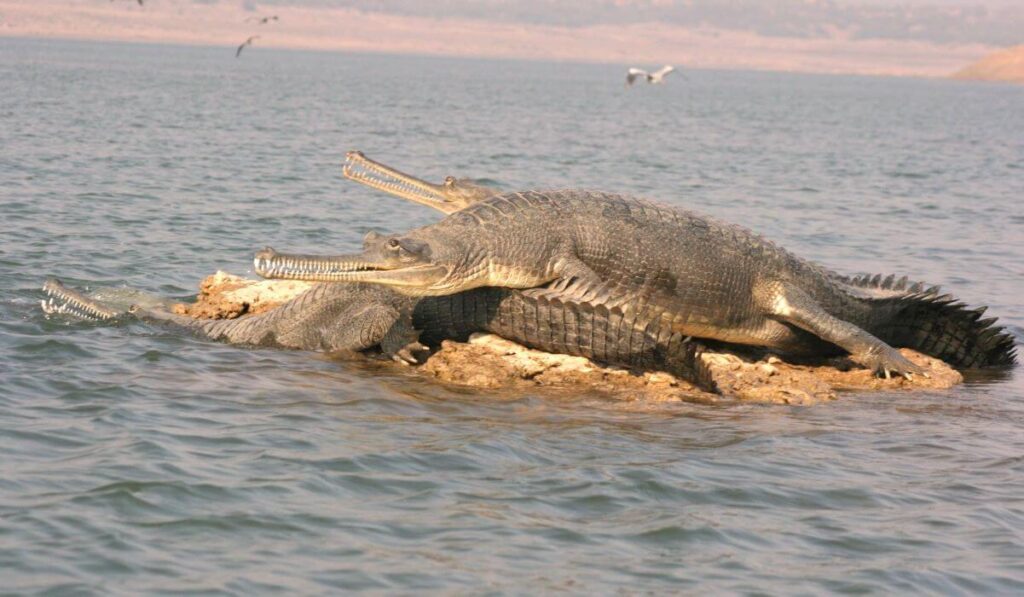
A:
(375, 325)
(578, 283)
(795, 306)
(402, 343)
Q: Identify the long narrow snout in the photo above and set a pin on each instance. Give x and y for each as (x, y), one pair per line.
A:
(373, 174)
(414, 279)
(268, 263)
(61, 300)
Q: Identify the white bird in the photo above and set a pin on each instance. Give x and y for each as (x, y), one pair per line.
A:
(655, 78)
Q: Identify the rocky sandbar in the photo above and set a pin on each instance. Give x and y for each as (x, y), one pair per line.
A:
(488, 361)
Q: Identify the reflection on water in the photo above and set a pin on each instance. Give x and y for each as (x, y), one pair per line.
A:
(138, 460)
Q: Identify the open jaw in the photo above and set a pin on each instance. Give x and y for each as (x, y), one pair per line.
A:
(61, 300)
(373, 174)
(414, 278)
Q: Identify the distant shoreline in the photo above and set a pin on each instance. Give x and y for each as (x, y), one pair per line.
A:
(329, 29)
(229, 51)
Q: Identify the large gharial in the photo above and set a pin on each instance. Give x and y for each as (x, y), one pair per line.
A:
(693, 275)
(354, 317)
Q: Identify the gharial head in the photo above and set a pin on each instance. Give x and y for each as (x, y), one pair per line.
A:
(412, 264)
(450, 196)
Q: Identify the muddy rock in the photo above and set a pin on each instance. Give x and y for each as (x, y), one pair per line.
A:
(773, 380)
(227, 296)
(489, 361)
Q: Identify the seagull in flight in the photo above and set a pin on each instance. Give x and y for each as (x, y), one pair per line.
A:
(655, 78)
(247, 42)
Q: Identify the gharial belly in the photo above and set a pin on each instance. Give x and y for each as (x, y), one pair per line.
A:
(511, 276)
(764, 332)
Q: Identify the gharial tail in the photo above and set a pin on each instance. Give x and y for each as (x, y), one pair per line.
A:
(61, 300)
(938, 325)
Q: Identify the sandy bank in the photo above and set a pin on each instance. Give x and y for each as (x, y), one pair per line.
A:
(1005, 65)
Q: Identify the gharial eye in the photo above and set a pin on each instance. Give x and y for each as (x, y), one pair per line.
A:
(393, 243)
(449, 181)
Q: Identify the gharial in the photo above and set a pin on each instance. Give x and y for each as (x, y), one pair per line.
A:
(693, 275)
(355, 317)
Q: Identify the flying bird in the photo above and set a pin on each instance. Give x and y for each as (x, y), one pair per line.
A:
(262, 21)
(655, 78)
(247, 42)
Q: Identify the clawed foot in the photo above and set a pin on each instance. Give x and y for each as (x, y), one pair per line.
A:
(410, 353)
(402, 343)
(888, 361)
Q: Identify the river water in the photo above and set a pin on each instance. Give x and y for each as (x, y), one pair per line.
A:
(133, 459)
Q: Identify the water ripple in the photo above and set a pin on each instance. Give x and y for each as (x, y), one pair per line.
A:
(137, 460)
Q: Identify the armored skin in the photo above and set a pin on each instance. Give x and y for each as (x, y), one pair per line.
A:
(694, 275)
(343, 318)
(327, 317)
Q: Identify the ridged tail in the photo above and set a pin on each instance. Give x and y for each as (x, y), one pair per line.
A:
(936, 324)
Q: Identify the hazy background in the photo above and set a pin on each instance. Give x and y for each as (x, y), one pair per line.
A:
(893, 37)
(998, 22)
